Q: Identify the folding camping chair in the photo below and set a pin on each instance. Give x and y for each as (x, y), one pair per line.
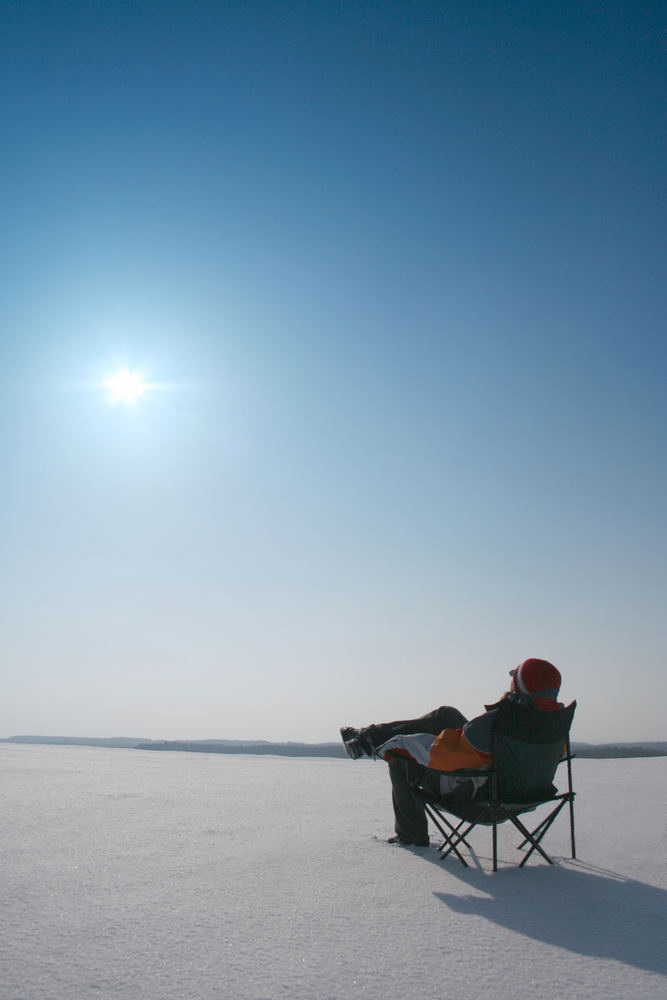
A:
(529, 744)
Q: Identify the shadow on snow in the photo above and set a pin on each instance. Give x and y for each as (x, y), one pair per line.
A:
(582, 908)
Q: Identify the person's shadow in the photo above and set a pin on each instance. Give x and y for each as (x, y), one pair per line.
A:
(585, 909)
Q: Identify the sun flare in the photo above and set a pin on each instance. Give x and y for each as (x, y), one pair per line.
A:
(125, 386)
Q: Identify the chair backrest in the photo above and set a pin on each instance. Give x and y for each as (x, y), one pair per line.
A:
(529, 745)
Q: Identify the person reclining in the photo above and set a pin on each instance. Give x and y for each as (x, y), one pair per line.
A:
(445, 741)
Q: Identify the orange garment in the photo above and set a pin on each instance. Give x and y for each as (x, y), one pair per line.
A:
(452, 751)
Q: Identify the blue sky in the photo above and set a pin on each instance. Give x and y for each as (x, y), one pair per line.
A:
(395, 274)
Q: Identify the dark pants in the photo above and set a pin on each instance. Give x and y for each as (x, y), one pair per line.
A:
(410, 817)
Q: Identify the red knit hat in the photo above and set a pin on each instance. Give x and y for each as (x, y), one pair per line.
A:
(537, 678)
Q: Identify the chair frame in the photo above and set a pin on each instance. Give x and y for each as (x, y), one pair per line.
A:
(494, 810)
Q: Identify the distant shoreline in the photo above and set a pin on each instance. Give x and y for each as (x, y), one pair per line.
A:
(290, 749)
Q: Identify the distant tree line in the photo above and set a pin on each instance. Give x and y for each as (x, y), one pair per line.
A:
(605, 750)
(620, 750)
(277, 749)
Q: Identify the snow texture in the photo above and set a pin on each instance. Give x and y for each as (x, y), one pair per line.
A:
(142, 876)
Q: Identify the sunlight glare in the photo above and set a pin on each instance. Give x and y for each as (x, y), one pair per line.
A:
(125, 386)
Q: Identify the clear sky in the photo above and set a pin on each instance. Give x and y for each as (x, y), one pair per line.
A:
(394, 275)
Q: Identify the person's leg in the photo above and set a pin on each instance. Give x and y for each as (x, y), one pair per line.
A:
(410, 820)
(433, 722)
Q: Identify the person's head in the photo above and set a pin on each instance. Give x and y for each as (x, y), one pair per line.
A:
(538, 681)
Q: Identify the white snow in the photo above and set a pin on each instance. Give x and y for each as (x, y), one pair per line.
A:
(156, 876)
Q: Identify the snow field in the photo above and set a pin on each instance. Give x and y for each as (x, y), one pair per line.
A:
(131, 875)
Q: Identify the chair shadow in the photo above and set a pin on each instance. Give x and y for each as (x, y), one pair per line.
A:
(577, 906)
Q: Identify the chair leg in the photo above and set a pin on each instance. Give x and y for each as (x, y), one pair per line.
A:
(574, 852)
(458, 837)
(535, 844)
(537, 831)
(495, 841)
(453, 829)
(453, 842)
(540, 830)
(436, 817)
(456, 829)
(570, 796)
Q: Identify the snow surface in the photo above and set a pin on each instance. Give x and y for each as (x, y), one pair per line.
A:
(155, 876)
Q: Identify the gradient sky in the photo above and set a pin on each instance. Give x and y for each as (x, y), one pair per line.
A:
(395, 274)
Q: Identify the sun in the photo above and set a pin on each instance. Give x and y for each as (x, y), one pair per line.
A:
(125, 386)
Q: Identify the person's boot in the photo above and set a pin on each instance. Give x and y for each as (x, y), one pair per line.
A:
(406, 842)
(355, 743)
